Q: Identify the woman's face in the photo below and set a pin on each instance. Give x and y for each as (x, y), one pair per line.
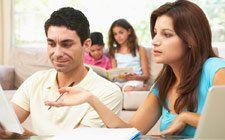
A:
(168, 48)
(120, 35)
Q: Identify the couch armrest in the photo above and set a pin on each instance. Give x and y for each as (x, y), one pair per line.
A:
(7, 77)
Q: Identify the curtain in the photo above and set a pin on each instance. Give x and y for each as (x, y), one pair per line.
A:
(1, 33)
(5, 30)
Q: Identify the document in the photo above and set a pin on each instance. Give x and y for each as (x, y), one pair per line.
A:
(113, 75)
(87, 133)
(8, 118)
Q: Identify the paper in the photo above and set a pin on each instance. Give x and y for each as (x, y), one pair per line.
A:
(112, 74)
(8, 118)
(100, 134)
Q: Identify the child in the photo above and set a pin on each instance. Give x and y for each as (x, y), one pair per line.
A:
(95, 55)
(124, 52)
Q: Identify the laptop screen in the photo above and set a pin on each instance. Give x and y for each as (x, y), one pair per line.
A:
(212, 120)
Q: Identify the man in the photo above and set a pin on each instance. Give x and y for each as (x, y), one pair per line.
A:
(67, 32)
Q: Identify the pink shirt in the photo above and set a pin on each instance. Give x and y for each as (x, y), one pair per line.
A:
(104, 62)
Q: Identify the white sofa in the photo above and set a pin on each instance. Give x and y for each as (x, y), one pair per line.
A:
(25, 61)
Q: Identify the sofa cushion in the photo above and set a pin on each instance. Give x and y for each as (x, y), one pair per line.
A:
(7, 77)
(27, 61)
(133, 99)
(154, 68)
(127, 115)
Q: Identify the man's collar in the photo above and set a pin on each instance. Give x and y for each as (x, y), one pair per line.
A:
(52, 83)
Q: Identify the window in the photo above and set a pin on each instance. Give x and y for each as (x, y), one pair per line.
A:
(29, 17)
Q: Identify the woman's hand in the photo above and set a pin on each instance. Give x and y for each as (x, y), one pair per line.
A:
(176, 126)
(71, 96)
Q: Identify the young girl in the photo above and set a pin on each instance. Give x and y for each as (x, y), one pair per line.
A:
(95, 55)
(124, 52)
(182, 42)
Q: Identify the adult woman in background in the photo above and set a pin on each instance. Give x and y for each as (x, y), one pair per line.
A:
(182, 42)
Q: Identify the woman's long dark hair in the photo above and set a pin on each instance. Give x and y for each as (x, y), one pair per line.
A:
(191, 25)
(132, 39)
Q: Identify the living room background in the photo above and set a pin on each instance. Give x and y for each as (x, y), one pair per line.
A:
(21, 21)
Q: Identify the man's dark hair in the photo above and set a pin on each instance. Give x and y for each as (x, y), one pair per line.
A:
(97, 38)
(72, 19)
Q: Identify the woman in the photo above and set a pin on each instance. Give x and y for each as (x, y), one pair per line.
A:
(182, 42)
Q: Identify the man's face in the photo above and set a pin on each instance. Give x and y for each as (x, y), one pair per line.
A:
(64, 48)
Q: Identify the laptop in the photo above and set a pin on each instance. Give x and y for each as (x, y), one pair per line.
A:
(212, 121)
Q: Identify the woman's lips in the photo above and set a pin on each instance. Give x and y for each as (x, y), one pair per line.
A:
(157, 52)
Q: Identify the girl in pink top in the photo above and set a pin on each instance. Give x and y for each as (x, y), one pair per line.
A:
(95, 56)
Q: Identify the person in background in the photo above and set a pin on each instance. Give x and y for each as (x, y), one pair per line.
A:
(125, 51)
(181, 38)
(67, 31)
(96, 56)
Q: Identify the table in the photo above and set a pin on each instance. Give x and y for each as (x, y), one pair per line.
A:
(148, 137)
(144, 137)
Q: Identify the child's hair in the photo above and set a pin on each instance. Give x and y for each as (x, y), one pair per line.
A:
(192, 27)
(132, 39)
(97, 38)
(72, 19)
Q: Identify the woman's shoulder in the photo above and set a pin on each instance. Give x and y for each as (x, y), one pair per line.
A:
(214, 62)
(211, 66)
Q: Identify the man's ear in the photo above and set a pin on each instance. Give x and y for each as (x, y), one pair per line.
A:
(87, 43)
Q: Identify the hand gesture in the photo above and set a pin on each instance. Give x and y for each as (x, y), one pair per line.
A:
(71, 96)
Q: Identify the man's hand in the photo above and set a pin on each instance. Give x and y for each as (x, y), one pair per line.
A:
(4, 134)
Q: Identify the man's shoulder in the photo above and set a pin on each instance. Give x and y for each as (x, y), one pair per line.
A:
(103, 83)
(106, 83)
(41, 75)
(32, 83)
(105, 89)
